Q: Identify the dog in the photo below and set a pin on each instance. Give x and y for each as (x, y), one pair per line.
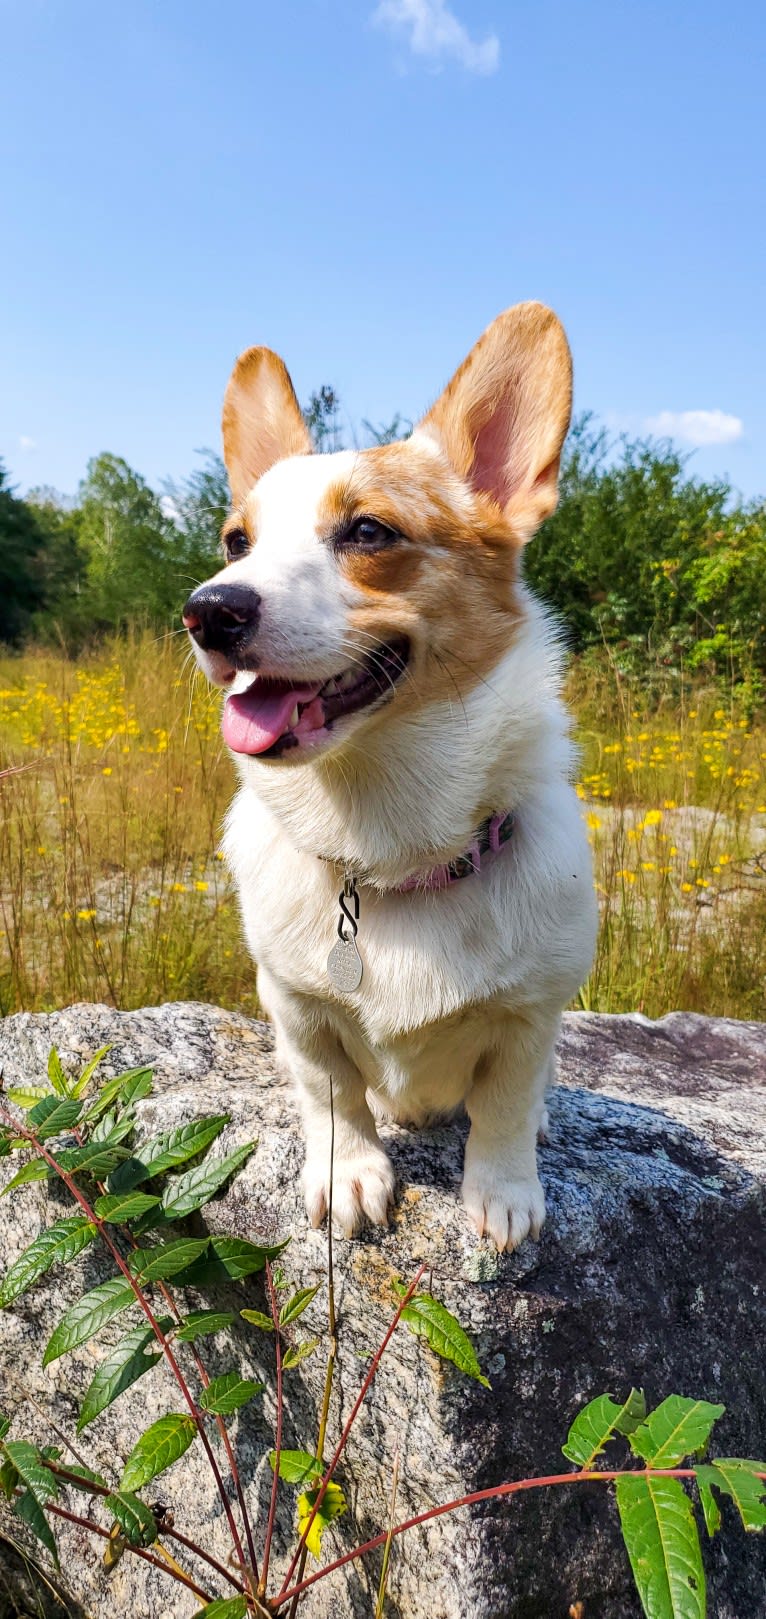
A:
(393, 709)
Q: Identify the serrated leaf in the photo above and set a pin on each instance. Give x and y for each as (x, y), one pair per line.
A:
(333, 1506)
(88, 1071)
(31, 1469)
(35, 1169)
(81, 1478)
(166, 1258)
(676, 1429)
(158, 1448)
(122, 1367)
(296, 1466)
(598, 1422)
(228, 1258)
(298, 1352)
(9, 1479)
(736, 1477)
(111, 1127)
(51, 1453)
(199, 1323)
(258, 1318)
(5, 1423)
(427, 1318)
(663, 1546)
(228, 1392)
(123, 1206)
(184, 1194)
(27, 1096)
(56, 1073)
(96, 1158)
(31, 1513)
(224, 1608)
(87, 1314)
(129, 1087)
(53, 1116)
(57, 1244)
(168, 1151)
(297, 1304)
(137, 1523)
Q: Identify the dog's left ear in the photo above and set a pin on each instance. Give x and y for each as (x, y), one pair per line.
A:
(262, 420)
(503, 418)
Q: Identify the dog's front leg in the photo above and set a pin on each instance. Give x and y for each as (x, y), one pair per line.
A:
(501, 1187)
(362, 1173)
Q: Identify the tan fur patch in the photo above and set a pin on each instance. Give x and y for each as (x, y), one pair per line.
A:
(262, 420)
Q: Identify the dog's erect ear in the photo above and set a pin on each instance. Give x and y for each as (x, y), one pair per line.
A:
(262, 419)
(503, 418)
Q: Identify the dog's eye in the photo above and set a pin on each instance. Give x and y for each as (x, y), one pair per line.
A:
(367, 534)
(236, 544)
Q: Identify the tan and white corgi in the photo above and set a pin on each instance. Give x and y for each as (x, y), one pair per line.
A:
(393, 710)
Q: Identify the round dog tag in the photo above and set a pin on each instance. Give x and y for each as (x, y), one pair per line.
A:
(344, 965)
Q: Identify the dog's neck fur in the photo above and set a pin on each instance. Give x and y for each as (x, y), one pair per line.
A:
(410, 793)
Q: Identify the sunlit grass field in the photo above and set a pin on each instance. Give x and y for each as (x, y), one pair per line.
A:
(112, 888)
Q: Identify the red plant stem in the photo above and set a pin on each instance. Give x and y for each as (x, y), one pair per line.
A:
(512, 1488)
(278, 1435)
(141, 1298)
(229, 1448)
(341, 1445)
(138, 1551)
(68, 1477)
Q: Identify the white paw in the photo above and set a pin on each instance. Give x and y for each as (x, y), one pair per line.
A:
(543, 1126)
(362, 1189)
(503, 1208)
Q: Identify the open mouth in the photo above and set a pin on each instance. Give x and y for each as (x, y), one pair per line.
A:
(274, 715)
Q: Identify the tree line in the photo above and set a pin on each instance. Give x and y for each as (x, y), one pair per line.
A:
(640, 554)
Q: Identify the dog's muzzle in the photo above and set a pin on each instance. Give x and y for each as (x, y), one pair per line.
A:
(222, 618)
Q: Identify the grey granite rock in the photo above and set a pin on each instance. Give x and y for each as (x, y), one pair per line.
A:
(651, 1270)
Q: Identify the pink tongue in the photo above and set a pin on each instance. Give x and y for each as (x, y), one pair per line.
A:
(254, 719)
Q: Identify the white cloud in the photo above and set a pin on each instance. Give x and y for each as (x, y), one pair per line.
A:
(697, 426)
(433, 31)
(26, 443)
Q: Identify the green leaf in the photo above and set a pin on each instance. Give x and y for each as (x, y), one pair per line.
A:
(81, 1478)
(35, 1169)
(333, 1505)
(158, 1448)
(56, 1073)
(31, 1513)
(26, 1096)
(53, 1115)
(676, 1429)
(112, 1127)
(598, 1422)
(736, 1477)
(186, 1193)
(9, 1479)
(298, 1352)
(5, 1423)
(168, 1150)
(122, 1366)
(31, 1468)
(95, 1158)
(88, 1071)
(257, 1318)
(296, 1466)
(129, 1087)
(228, 1258)
(137, 1523)
(429, 1319)
(57, 1244)
(199, 1323)
(663, 1546)
(87, 1314)
(166, 1258)
(297, 1304)
(124, 1206)
(227, 1393)
(224, 1608)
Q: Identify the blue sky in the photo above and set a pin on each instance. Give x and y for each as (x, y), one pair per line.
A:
(363, 186)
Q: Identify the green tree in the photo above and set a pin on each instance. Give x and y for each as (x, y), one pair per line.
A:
(22, 541)
(133, 570)
(198, 506)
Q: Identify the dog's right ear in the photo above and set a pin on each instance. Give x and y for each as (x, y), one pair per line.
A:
(262, 420)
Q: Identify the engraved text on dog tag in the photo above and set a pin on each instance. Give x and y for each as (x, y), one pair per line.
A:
(344, 965)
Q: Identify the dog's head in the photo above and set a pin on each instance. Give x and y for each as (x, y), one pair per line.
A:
(387, 575)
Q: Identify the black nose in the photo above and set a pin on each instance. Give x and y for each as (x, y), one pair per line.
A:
(222, 618)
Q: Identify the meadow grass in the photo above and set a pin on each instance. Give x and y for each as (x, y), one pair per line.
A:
(112, 887)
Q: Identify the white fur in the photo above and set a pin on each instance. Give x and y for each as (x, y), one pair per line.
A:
(462, 990)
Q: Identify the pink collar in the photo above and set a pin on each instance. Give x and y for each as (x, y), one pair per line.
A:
(487, 842)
